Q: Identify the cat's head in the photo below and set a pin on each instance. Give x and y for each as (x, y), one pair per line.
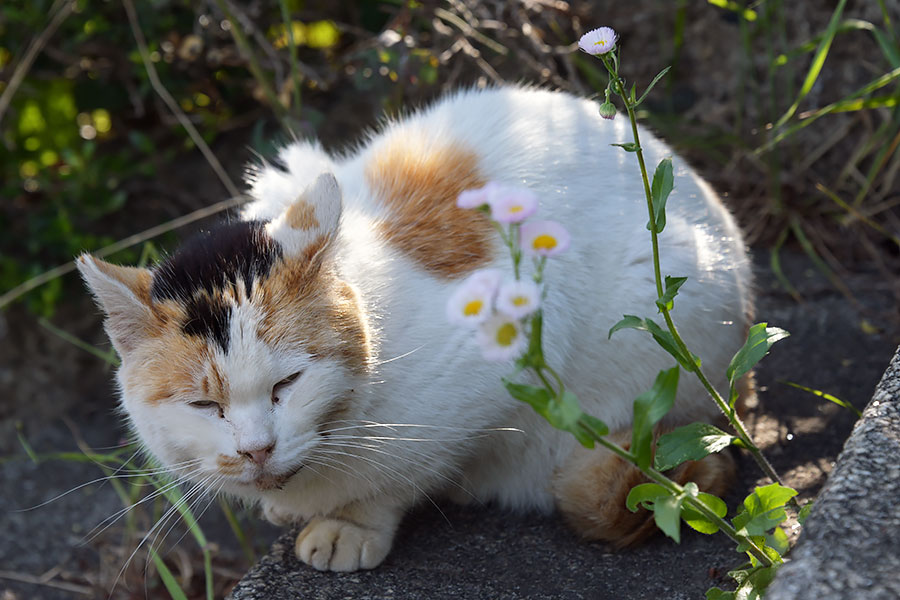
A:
(241, 347)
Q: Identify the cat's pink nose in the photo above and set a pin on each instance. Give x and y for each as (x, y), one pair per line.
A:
(258, 455)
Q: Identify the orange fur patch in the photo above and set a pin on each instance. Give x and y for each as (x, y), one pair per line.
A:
(592, 487)
(304, 304)
(302, 216)
(419, 183)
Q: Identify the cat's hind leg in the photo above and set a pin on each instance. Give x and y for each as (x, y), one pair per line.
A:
(592, 485)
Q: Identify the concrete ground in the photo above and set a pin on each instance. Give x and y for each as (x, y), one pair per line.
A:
(835, 346)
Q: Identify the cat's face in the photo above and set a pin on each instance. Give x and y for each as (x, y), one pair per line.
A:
(242, 348)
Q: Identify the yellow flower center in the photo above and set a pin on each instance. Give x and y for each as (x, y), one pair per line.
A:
(600, 43)
(472, 308)
(545, 241)
(520, 301)
(506, 333)
(516, 209)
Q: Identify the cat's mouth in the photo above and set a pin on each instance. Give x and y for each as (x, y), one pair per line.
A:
(271, 481)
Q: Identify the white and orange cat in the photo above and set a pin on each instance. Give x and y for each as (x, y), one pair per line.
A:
(300, 357)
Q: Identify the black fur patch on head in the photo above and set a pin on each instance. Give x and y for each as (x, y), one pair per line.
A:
(208, 263)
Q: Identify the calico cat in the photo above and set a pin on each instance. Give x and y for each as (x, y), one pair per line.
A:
(300, 357)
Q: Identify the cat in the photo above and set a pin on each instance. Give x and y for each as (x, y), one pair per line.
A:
(300, 357)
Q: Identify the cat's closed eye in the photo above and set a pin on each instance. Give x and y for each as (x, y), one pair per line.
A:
(206, 405)
(283, 384)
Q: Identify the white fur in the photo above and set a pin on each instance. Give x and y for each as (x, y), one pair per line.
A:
(457, 430)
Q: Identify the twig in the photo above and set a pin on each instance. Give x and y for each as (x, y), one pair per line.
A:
(60, 585)
(137, 238)
(33, 50)
(252, 62)
(163, 93)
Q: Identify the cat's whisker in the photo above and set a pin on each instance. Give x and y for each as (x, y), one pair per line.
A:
(166, 516)
(427, 457)
(398, 476)
(404, 355)
(80, 486)
(161, 488)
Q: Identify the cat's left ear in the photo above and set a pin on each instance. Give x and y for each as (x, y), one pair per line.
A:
(124, 295)
(307, 225)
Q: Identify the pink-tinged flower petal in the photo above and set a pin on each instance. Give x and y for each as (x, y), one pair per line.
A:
(544, 238)
(476, 197)
(511, 204)
(598, 41)
(518, 299)
(501, 338)
(473, 301)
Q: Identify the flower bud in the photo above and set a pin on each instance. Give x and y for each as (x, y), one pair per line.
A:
(608, 110)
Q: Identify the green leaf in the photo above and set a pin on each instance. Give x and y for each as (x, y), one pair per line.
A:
(827, 396)
(565, 413)
(804, 512)
(644, 495)
(763, 510)
(667, 301)
(691, 442)
(697, 520)
(717, 594)
(817, 62)
(537, 397)
(759, 340)
(627, 322)
(754, 584)
(667, 514)
(649, 408)
(663, 183)
(628, 146)
(656, 79)
(662, 337)
(167, 578)
(597, 427)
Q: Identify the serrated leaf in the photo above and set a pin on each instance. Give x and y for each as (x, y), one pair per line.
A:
(804, 512)
(691, 442)
(649, 408)
(759, 340)
(660, 188)
(644, 495)
(667, 301)
(763, 510)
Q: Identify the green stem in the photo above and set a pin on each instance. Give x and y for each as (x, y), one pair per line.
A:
(292, 47)
(654, 235)
(677, 490)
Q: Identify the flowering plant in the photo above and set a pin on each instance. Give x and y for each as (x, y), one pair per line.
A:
(508, 318)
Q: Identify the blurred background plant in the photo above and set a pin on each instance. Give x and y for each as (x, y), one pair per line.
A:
(790, 110)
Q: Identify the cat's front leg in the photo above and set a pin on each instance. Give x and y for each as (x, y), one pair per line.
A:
(357, 536)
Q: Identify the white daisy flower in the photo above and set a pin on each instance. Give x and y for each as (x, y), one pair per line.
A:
(518, 298)
(544, 238)
(598, 41)
(473, 301)
(501, 338)
(512, 205)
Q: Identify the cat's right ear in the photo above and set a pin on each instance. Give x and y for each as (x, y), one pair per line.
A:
(306, 227)
(124, 295)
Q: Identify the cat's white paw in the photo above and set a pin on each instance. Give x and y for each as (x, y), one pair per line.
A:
(335, 545)
(276, 515)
